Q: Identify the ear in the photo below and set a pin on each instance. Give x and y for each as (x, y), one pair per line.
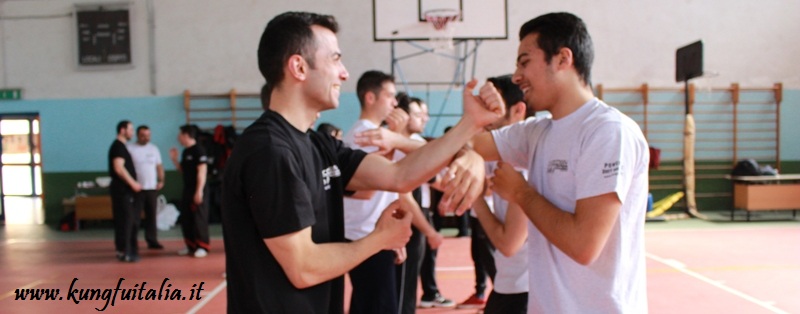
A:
(517, 112)
(369, 98)
(297, 67)
(564, 58)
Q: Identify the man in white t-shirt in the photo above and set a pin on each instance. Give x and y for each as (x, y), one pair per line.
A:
(374, 280)
(586, 190)
(150, 174)
(505, 224)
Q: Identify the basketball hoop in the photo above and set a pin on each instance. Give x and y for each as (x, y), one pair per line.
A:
(440, 19)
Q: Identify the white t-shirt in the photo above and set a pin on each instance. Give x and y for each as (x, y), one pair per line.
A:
(145, 159)
(512, 272)
(593, 151)
(360, 216)
(425, 188)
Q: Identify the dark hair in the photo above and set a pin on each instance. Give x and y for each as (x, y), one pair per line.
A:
(286, 35)
(511, 92)
(559, 30)
(403, 101)
(122, 125)
(142, 127)
(190, 130)
(266, 92)
(371, 81)
(327, 128)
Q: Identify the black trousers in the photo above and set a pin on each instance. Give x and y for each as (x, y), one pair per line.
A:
(481, 249)
(147, 201)
(408, 272)
(126, 221)
(374, 286)
(427, 269)
(194, 223)
(499, 303)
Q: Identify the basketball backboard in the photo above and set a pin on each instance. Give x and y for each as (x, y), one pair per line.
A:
(405, 19)
(689, 61)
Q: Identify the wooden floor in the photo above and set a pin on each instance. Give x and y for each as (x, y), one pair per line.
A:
(693, 266)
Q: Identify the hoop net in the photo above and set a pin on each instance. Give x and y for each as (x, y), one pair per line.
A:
(440, 19)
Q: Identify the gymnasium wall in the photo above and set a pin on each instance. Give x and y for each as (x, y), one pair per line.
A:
(209, 46)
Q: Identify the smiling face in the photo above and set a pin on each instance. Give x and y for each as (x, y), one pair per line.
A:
(534, 75)
(324, 80)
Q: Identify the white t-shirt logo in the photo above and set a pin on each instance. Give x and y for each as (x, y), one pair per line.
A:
(610, 169)
(560, 165)
(328, 173)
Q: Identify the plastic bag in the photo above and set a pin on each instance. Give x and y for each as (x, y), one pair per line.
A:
(166, 214)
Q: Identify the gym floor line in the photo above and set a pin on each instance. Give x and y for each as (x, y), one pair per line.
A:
(693, 266)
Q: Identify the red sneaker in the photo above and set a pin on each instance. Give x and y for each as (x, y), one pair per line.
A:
(473, 302)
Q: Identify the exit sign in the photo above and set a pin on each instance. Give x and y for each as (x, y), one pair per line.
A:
(10, 94)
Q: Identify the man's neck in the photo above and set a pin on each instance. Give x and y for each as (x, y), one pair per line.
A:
(365, 115)
(571, 100)
(294, 108)
(122, 138)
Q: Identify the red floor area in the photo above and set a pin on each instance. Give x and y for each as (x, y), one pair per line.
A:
(727, 270)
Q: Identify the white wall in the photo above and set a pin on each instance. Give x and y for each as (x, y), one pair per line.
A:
(209, 46)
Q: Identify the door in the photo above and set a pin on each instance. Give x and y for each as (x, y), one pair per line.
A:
(21, 199)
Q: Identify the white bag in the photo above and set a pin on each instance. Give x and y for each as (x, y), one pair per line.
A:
(166, 214)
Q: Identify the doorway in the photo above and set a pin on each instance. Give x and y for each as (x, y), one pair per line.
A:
(21, 200)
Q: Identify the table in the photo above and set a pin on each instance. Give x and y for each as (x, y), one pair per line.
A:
(755, 193)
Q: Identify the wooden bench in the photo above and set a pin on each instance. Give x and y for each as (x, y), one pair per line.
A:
(757, 193)
(96, 207)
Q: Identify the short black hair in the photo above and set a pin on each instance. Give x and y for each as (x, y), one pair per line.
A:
(190, 130)
(559, 30)
(286, 35)
(404, 101)
(266, 92)
(122, 125)
(327, 128)
(142, 127)
(371, 81)
(511, 92)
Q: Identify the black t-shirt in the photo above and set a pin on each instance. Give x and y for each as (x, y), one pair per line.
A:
(279, 180)
(191, 158)
(118, 150)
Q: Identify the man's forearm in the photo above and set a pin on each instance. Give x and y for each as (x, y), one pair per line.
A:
(160, 172)
(408, 145)
(418, 218)
(307, 264)
(507, 237)
(425, 162)
(581, 235)
(201, 179)
(119, 169)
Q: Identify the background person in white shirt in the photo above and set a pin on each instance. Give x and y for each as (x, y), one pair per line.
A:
(150, 175)
(374, 280)
(505, 224)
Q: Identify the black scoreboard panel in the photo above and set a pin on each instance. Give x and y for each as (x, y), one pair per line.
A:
(103, 37)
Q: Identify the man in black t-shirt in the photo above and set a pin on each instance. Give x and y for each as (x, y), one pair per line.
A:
(123, 191)
(194, 205)
(282, 211)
